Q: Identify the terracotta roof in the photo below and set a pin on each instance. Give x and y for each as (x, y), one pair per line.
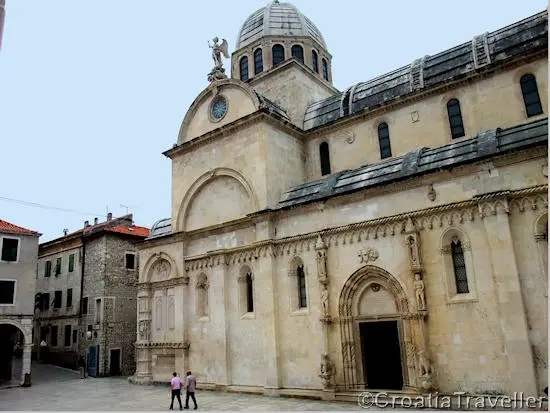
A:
(7, 227)
(130, 230)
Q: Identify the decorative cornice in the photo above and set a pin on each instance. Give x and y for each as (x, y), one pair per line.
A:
(171, 282)
(158, 344)
(420, 220)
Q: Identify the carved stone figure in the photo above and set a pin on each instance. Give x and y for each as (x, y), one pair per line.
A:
(144, 330)
(424, 366)
(217, 50)
(367, 255)
(163, 269)
(324, 301)
(322, 265)
(432, 194)
(218, 72)
(412, 245)
(419, 292)
(327, 370)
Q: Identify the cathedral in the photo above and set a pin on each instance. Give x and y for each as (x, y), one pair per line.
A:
(391, 236)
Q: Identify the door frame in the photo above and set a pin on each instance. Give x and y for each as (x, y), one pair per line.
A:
(119, 360)
(360, 356)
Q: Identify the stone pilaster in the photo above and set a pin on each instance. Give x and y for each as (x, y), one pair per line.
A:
(27, 348)
(267, 273)
(514, 329)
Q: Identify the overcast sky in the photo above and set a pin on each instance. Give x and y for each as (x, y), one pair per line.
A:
(92, 92)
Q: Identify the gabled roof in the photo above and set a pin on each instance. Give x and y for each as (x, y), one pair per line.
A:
(129, 230)
(483, 52)
(420, 161)
(6, 227)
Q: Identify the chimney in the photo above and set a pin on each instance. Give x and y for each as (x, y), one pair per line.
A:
(65, 231)
(109, 216)
(95, 221)
(86, 224)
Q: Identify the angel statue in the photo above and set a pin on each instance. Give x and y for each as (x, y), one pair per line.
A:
(217, 50)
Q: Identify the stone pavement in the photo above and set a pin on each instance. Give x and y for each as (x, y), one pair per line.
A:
(57, 389)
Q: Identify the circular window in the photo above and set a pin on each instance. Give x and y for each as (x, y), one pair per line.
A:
(218, 109)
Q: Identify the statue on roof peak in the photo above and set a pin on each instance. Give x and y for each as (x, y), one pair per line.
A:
(218, 72)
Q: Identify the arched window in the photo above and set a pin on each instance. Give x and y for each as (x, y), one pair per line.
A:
(455, 118)
(459, 267)
(531, 97)
(325, 70)
(244, 68)
(302, 295)
(315, 61)
(258, 61)
(325, 158)
(278, 53)
(298, 52)
(249, 294)
(384, 140)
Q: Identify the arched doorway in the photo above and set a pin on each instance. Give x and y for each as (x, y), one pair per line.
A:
(12, 341)
(376, 331)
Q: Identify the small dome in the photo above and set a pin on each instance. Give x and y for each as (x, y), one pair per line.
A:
(160, 228)
(277, 19)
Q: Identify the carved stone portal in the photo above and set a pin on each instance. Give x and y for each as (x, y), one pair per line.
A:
(367, 255)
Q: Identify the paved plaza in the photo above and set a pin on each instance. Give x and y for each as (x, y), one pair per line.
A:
(55, 388)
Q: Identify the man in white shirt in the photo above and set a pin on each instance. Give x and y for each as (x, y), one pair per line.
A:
(175, 386)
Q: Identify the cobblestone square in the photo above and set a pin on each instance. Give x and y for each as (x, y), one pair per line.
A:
(57, 389)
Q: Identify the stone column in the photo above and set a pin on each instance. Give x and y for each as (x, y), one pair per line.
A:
(542, 246)
(513, 323)
(143, 353)
(327, 366)
(27, 348)
(266, 283)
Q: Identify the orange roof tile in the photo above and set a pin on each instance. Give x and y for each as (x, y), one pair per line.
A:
(130, 230)
(7, 227)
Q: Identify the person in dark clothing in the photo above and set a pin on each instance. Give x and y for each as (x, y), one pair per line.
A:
(82, 367)
(191, 385)
(175, 386)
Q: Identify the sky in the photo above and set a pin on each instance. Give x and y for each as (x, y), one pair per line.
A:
(92, 92)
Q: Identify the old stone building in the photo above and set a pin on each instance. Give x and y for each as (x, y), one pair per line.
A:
(18, 255)
(86, 296)
(389, 236)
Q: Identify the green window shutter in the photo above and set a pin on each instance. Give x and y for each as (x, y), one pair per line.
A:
(71, 263)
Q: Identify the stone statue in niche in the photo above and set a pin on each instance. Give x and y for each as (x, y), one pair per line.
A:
(327, 371)
(324, 301)
(413, 251)
(322, 265)
(419, 292)
(163, 269)
(144, 330)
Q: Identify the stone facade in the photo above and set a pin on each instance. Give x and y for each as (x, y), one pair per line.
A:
(103, 311)
(273, 278)
(18, 256)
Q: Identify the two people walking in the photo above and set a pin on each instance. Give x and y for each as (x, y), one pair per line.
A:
(176, 384)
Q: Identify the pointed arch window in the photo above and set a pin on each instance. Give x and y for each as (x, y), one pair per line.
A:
(258, 61)
(325, 69)
(298, 52)
(459, 267)
(384, 140)
(315, 61)
(302, 294)
(243, 64)
(278, 53)
(325, 158)
(249, 293)
(531, 97)
(455, 118)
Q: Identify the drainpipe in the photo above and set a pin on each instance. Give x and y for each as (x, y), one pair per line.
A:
(82, 259)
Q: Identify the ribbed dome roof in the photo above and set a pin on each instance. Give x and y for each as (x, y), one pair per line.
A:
(277, 19)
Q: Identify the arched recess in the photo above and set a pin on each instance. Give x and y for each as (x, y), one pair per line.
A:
(454, 240)
(9, 331)
(151, 265)
(209, 93)
(204, 180)
(355, 309)
(27, 333)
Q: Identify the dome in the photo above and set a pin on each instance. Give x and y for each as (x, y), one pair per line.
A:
(277, 19)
